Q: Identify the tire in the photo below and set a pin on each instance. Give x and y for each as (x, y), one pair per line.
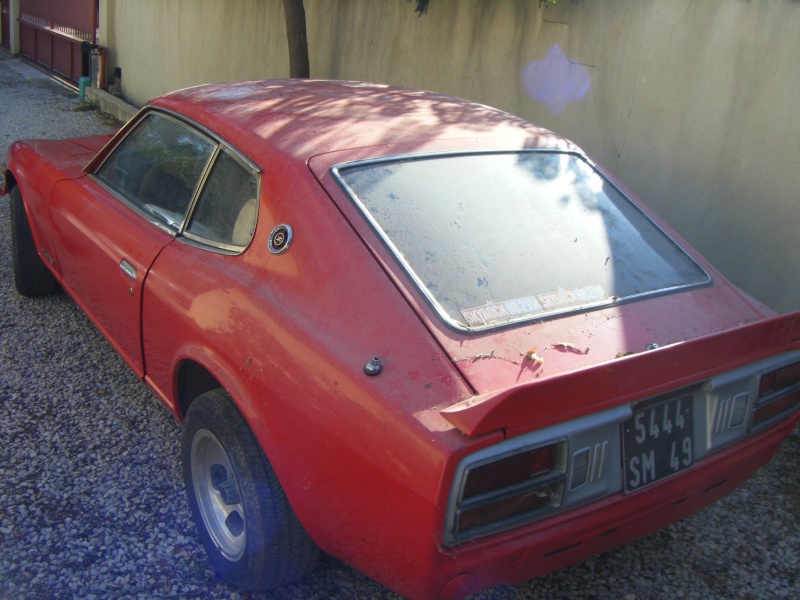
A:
(249, 531)
(31, 276)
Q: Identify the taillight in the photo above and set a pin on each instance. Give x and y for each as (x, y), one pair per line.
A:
(508, 471)
(778, 393)
(778, 379)
(530, 502)
(782, 405)
(511, 489)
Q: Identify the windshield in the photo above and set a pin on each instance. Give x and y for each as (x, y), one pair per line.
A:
(496, 238)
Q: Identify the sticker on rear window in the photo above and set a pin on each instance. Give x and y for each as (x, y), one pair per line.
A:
(563, 298)
(496, 312)
(501, 311)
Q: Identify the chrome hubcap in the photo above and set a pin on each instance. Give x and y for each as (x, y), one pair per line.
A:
(218, 495)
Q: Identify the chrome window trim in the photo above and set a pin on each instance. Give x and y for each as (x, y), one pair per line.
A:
(91, 168)
(201, 182)
(221, 145)
(217, 248)
(458, 326)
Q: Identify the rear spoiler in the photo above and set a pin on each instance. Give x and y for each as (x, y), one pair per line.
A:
(625, 379)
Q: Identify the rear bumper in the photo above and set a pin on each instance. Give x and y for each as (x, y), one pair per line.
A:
(552, 544)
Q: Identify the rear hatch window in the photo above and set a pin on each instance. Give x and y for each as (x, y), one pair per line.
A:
(504, 237)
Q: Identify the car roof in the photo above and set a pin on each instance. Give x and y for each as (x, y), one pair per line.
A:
(308, 117)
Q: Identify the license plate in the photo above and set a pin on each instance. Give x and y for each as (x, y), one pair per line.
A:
(658, 441)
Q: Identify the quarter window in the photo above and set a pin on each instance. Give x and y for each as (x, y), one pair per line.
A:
(226, 210)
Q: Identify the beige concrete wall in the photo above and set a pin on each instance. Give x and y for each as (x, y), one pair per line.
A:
(162, 45)
(692, 103)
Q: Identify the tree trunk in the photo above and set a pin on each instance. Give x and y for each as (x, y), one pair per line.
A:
(298, 41)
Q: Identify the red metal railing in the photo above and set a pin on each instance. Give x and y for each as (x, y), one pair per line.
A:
(52, 31)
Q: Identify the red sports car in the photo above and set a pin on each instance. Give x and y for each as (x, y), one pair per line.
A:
(415, 332)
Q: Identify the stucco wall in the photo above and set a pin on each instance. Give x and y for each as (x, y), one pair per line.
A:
(692, 103)
(163, 45)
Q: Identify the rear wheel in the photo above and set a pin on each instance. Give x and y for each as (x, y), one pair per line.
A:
(249, 530)
(31, 276)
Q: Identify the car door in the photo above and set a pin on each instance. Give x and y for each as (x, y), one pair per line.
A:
(110, 226)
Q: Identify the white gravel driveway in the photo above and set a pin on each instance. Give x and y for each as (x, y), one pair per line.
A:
(92, 503)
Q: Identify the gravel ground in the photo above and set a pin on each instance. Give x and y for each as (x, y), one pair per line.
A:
(92, 503)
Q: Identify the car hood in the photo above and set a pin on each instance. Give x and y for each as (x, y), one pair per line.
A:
(42, 163)
(69, 156)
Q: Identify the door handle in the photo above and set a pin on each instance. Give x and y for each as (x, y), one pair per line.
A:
(128, 269)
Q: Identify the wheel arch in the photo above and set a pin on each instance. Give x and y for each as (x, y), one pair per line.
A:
(10, 180)
(191, 381)
(200, 372)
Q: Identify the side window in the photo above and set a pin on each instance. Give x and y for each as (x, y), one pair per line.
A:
(226, 210)
(157, 167)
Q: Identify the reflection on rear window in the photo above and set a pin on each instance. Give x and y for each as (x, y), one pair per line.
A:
(503, 237)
